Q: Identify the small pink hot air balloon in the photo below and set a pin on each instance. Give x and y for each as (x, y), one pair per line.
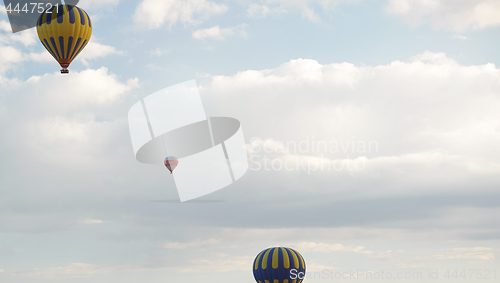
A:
(171, 162)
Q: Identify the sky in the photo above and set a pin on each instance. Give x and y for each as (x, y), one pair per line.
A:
(371, 126)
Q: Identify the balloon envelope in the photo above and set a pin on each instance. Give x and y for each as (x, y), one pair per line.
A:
(171, 162)
(279, 263)
(64, 31)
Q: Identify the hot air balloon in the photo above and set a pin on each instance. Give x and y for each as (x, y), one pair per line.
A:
(64, 32)
(171, 162)
(279, 265)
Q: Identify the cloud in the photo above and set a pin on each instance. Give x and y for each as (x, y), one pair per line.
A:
(476, 249)
(384, 255)
(8, 61)
(26, 38)
(220, 33)
(75, 270)
(95, 50)
(480, 253)
(180, 246)
(314, 267)
(434, 121)
(305, 7)
(447, 14)
(41, 57)
(11, 53)
(105, 88)
(70, 270)
(295, 72)
(460, 37)
(156, 13)
(91, 221)
(159, 51)
(259, 11)
(224, 264)
(98, 4)
(60, 122)
(327, 248)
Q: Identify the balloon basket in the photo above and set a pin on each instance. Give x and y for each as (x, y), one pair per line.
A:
(64, 71)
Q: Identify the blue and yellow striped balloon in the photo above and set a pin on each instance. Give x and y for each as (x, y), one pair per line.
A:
(279, 265)
(64, 32)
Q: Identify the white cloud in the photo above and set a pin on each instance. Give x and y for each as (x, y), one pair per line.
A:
(70, 270)
(11, 53)
(295, 72)
(475, 249)
(224, 264)
(40, 57)
(91, 221)
(63, 124)
(384, 255)
(327, 248)
(180, 246)
(220, 33)
(98, 4)
(309, 14)
(480, 256)
(447, 14)
(460, 37)
(105, 88)
(435, 121)
(159, 51)
(306, 8)
(27, 37)
(10, 58)
(480, 253)
(80, 270)
(258, 11)
(75, 270)
(156, 13)
(422, 169)
(314, 267)
(95, 50)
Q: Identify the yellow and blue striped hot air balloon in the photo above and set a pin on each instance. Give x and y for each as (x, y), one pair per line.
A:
(64, 32)
(279, 265)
